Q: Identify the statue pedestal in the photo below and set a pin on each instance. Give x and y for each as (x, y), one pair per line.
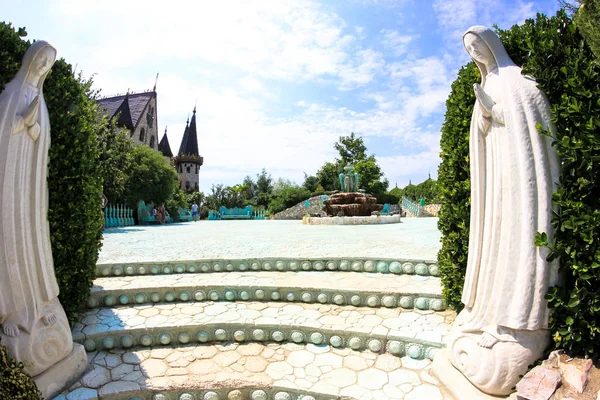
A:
(63, 374)
(453, 383)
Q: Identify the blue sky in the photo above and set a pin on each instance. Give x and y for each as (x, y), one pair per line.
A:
(276, 82)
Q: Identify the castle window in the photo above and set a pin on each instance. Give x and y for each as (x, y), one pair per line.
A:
(187, 169)
(196, 185)
(142, 135)
(187, 185)
(152, 141)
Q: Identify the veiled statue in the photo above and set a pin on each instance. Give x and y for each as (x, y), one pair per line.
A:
(514, 172)
(34, 326)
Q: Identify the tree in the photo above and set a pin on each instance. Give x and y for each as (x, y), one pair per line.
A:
(351, 148)
(286, 194)
(264, 189)
(151, 178)
(328, 176)
(310, 182)
(116, 149)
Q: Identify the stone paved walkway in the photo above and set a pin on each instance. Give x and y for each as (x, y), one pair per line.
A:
(323, 370)
(414, 238)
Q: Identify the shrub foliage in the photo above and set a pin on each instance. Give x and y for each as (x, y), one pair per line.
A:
(557, 55)
(15, 384)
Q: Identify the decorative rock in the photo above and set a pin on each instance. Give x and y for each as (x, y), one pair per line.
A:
(117, 271)
(575, 373)
(229, 295)
(186, 396)
(421, 269)
(267, 266)
(92, 302)
(123, 299)
(204, 267)
(370, 266)
(331, 265)
(167, 270)
(164, 338)
(221, 334)
(106, 271)
(259, 395)
(357, 266)
(382, 267)
(146, 340)
(306, 265)
(184, 296)
(278, 336)
(294, 266)
(297, 337)
(307, 397)
(259, 293)
(169, 296)
(317, 338)
(239, 336)
(431, 352)
(126, 341)
(434, 270)
(191, 268)
(372, 301)
(108, 342)
(275, 296)
(229, 267)
(211, 396)
(395, 267)
(235, 395)
(339, 299)
(306, 297)
(140, 298)
(437, 305)
(244, 295)
(283, 396)
(155, 297)
(344, 265)
(355, 300)
(396, 348)
(415, 351)
(408, 268)
(199, 295)
(336, 341)
(243, 266)
(180, 269)
(213, 295)
(322, 298)
(375, 345)
(159, 396)
(422, 303)
(280, 265)
(290, 296)
(388, 301)
(318, 266)
(130, 270)
(539, 383)
(355, 343)
(217, 267)
(184, 337)
(202, 336)
(142, 270)
(259, 334)
(155, 269)
(109, 301)
(90, 345)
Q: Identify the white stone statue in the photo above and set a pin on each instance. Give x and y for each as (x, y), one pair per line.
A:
(34, 326)
(514, 171)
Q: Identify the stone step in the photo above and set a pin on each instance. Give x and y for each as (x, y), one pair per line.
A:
(327, 287)
(417, 333)
(381, 265)
(253, 371)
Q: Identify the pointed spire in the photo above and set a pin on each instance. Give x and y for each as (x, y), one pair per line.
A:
(164, 146)
(155, 81)
(189, 142)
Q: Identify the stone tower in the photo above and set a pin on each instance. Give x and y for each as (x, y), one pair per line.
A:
(188, 161)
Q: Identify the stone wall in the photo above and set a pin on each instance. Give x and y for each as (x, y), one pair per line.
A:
(300, 210)
(148, 125)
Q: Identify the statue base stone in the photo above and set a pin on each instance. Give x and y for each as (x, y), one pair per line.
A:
(63, 374)
(453, 383)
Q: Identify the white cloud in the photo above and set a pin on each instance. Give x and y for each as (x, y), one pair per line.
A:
(251, 84)
(398, 43)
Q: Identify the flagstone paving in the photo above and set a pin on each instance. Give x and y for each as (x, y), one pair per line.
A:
(414, 238)
(323, 372)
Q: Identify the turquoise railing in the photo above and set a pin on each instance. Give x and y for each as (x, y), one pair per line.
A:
(118, 215)
(411, 206)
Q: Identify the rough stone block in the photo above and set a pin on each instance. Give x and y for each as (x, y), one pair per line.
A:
(576, 373)
(538, 384)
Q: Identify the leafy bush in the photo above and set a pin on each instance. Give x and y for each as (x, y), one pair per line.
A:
(555, 53)
(387, 198)
(14, 383)
(454, 185)
(74, 182)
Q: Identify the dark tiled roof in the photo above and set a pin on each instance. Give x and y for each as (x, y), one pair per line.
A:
(136, 101)
(164, 146)
(189, 143)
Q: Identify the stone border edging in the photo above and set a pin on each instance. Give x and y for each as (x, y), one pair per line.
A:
(235, 332)
(251, 393)
(368, 220)
(383, 266)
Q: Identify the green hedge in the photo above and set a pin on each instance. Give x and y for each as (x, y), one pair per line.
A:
(553, 51)
(454, 187)
(15, 384)
(74, 181)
